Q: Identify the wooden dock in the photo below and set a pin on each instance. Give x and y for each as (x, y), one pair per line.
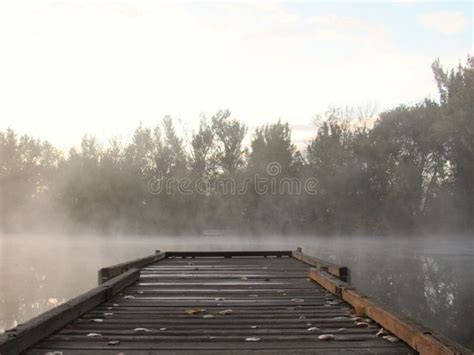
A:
(275, 302)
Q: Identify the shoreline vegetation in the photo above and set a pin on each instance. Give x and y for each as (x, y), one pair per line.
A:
(412, 172)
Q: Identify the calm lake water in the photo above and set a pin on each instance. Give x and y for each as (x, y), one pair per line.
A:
(429, 279)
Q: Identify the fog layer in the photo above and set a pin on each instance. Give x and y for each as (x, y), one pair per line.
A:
(427, 279)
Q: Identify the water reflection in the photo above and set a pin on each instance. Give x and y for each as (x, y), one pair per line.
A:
(428, 279)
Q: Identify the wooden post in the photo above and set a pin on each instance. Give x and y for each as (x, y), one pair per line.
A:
(340, 272)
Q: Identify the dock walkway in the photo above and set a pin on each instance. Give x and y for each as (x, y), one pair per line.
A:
(213, 303)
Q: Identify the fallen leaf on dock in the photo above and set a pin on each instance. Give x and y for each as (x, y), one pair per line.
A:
(98, 320)
(326, 337)
(162, 328)
(297, 300)
(390, 338)
(129, 297)
(108, 314)
(208, 316)
(252, 339)
(341, 329)
(114, 342)
(382, 332)
(253, 326)
(144, 330)
(362, 324)
(115, 305)
(313, 329)
(341, 318)
(218, 299)
(226, 311)
(193, 312)
(94, 335)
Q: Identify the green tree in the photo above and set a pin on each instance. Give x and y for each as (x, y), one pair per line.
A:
(229, 135)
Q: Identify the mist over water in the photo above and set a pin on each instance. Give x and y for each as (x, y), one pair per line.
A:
(428, 278)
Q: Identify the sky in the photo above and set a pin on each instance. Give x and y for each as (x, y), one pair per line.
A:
(101, 67)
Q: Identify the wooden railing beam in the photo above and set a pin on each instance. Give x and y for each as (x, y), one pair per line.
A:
(341, 272)
(18, 339)
(423, 340)
(110, 272)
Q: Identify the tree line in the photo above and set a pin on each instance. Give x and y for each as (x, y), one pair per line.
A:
(412, 171)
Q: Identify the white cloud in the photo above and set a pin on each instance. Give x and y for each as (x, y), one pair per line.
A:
(447, 22)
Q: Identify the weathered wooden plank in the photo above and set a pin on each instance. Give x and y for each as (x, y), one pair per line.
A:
(215, 344)
(213, 308)
(202, 276)
(164, 337)
(236, 315)
(219, 331)
(340, 272)
(257, 307)
(220, 260)
(326, 322)
(269, 297)
(109, 272)
(249, 284)
(219, 268)
(291, 351)
(418, 337)
(205, 324)
(219, 291)
(228, 254)
(16, 340)
(329, 282)
(282, 311)
(237, 319)
(220, 304)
